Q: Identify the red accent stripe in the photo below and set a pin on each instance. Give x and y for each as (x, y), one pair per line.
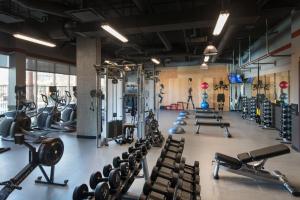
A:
(282, 48)
(38, 56)
(296, 33)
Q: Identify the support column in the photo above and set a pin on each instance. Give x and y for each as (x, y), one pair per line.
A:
(295, 42)
(16, 76)
(88, 53)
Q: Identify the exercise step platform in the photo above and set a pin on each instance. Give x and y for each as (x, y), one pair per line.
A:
(224, 125)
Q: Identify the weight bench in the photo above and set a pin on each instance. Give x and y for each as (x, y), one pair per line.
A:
(252, 165)
(224, 125)
(217, 117)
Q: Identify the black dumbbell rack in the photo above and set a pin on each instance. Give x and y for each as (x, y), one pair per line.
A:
(252, 108)
(267, 114)
(244, 101)
(161, 184)
(286, 124)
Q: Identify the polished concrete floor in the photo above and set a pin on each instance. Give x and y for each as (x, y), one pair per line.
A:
(81, 158)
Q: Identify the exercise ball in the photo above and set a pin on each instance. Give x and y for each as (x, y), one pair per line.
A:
(204, 95)
(176, 130)
(204, 105)
(180, 122)
(204, 85)
(283, 84)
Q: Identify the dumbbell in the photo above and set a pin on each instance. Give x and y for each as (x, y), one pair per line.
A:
(168, 192)
(142, 148)
(114, 179)
(170, 139)
(131, 161)
(178, 167)
(170, 147)
(171, 177)
(124, 170)
(145, 142)
(152, 195)
(82, 192)
(168, 154)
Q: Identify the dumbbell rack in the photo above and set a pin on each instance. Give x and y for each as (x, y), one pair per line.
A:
(244, 107)
(161, 185)
(286, 124)
(267, 114)
(252, 108)
(121, 192)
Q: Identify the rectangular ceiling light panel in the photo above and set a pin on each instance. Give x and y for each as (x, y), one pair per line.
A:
(220, 23)
(114, 33)
(34, 40)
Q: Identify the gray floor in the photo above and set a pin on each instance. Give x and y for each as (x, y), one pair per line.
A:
(81, 158)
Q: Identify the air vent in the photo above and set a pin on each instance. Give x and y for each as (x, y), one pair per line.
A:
(85, 15)
(9, 19)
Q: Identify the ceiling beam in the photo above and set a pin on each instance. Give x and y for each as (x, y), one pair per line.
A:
(165, 41)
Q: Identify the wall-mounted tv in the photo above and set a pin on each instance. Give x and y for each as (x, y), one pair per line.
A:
(232, 78)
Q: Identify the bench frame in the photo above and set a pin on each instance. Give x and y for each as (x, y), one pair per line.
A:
(256, 171)
(226, 131)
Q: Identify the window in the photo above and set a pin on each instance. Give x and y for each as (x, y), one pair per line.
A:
(4, 64)
(40, 74)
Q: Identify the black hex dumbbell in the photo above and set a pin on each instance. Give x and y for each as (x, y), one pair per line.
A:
(124, 170)
(145, 142)
(171, 177)
(179, 166)
(173, 148)
(114, 179)
(142, 148)
(171, 155)
(131, 161)
(82, 192)
(168, 192)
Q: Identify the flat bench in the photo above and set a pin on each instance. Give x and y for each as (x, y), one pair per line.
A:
(207, 112)
(224, 125)
(242, 165)
(217, 117)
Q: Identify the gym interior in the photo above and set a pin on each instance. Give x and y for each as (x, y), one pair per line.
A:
(149, 99)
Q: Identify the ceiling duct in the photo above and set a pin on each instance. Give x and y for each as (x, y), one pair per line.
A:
(85, 15)
(9, 19)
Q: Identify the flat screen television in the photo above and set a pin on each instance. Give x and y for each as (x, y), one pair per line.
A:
(239, 78)
(232, 78)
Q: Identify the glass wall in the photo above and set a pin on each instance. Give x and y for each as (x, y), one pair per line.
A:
(40, 74)
(4, 64)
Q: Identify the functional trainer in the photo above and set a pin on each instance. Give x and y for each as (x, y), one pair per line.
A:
(242, 165)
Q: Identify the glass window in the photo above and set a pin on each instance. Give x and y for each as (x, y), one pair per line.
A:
(62, 83)
(3, 90)
(44, 80)
(4, 60)
(31, 85)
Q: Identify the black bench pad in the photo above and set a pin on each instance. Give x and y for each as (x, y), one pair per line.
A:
(233, 163)
(221, 124)
(244, 157)
(208, 117)
(269, 152)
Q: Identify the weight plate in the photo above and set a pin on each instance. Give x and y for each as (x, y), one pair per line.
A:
(95, 178)
(80, 191)
(50, 151)
(102, 191)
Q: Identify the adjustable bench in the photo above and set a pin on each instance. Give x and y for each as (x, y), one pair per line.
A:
(252, 165)
(217, 117)
(224, 125)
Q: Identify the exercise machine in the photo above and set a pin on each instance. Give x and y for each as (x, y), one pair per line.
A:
(252, 165)
(48, 154)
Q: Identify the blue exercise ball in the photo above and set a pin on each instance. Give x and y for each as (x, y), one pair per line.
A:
(204, 105)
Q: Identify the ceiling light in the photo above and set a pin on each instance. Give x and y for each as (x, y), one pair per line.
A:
(221, 22)
(110, 62)
(115, 33)
(210, 50)
(37, 41)
(206, 58)
(204, 66)
(154, 60)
